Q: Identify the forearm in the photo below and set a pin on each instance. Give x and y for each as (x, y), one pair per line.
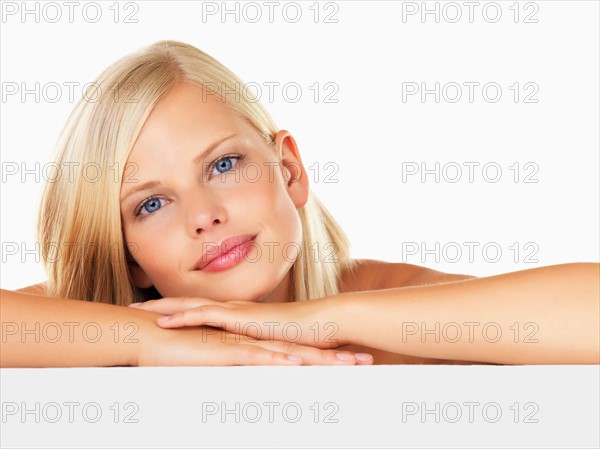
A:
(483, 319)
(39, 331)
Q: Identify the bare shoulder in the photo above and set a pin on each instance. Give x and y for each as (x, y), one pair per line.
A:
(36, 289)
(428, 276)
(370, 274)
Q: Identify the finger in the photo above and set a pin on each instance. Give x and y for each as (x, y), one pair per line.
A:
(170, 306)
(362, 358)
(236, 321)
(229, 319)
(310, 355)
(257, 355)
(214, 316)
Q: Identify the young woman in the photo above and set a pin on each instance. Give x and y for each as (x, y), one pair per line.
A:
(205, 203)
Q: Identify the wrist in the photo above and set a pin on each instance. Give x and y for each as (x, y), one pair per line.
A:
(340, 310)
(146, 337)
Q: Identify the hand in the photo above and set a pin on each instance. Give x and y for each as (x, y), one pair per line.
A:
(214, 347)
(298, 322)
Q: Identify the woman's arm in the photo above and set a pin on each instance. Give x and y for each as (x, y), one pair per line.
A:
(546, 315)
(39, 331)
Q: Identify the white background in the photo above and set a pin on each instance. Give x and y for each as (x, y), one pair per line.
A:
(369, 133)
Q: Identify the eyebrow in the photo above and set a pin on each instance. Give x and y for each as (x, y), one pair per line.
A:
(202, 156)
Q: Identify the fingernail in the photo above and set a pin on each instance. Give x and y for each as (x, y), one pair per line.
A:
(343, 356)
(135, 304)
(293, 358)
(162, 319)
(363, 357)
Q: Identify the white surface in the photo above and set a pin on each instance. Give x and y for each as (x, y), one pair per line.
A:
(525, 406)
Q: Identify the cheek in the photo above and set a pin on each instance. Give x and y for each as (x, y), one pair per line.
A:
(277, 211)
(153, 251)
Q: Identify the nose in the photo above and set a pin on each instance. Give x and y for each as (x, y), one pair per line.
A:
(203, 214)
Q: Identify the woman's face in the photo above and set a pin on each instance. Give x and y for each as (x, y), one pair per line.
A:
(195, 202)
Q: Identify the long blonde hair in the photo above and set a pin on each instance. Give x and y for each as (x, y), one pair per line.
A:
(79, 223)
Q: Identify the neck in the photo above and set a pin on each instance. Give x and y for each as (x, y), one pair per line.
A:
(282, 292)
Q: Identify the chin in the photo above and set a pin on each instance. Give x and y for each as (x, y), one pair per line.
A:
(226, 295)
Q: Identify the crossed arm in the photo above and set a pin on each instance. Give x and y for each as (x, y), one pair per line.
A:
(545, 315)
(40, 331)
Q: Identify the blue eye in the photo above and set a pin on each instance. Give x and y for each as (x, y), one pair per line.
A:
(151, 205)
(224, 164)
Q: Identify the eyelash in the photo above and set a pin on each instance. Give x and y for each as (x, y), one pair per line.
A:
(138, 209)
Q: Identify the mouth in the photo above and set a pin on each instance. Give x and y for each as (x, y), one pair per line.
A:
(228, 253)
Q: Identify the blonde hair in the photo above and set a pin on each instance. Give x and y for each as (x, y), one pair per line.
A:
(79, 223)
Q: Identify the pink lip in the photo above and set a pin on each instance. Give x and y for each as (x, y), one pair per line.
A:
(226, 254)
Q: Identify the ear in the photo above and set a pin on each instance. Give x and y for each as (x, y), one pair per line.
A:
(138, 275)
(292, 168)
